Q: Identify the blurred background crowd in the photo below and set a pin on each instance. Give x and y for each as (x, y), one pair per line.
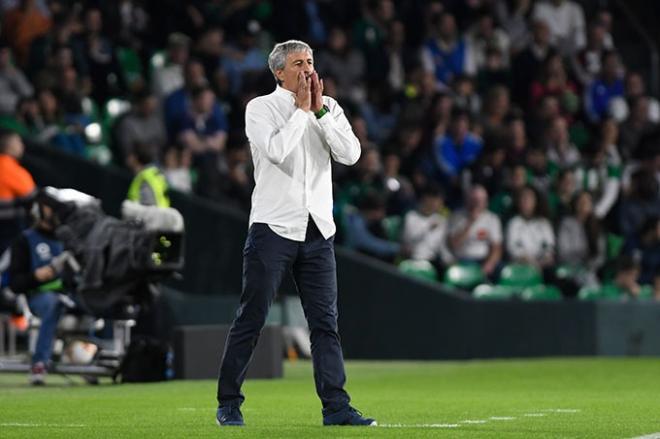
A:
(495, 133)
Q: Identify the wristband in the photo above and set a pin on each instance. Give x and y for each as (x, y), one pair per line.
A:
(322, 112)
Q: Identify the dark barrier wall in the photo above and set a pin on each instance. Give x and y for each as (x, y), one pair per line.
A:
(383, 314)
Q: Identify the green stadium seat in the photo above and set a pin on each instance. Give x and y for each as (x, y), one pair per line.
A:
(465, 276)
(606, 291)
(494, 292)
(520, 275)
(419, 268)
(541, 292)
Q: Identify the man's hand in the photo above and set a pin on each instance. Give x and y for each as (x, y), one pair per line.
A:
(44, 274)
(317, 93)
(304, 93)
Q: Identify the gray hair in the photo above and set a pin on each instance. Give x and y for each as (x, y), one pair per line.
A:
(277, 57)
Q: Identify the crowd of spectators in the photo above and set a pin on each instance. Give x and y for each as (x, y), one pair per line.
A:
(493, 131)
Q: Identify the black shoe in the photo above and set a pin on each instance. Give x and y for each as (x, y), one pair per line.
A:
(348, 416)
(229, 415)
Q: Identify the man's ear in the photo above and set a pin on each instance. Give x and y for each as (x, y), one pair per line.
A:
(280, 75)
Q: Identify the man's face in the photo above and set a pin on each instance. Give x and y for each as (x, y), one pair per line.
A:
(296, 62)
(15, 147)
(478, 199)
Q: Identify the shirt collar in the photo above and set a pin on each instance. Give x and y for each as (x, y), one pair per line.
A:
(281, 91)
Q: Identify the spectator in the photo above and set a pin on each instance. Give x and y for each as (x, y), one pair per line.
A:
(399, 56)
(400, 193)
(365, 231)
(626, 282)
(514, 16)
(16, 188)
(529, 235)
(517, 139)
(244, 61)
(561, 197)
(566, 21)
(601, 177)
(364, 178)
(496, 109)
(446, 54)
(540, 173)
(177, 103)
(425, 229)
(553, 81)
(640, 204)
(370, 33)
(587, 62)
(502, 202)
(527, 64)
(21, 25)
(99, 58)
(465, 95)
(488, 171)
(454, 151)
(149, 186)
(636, 127)
(345, 63)
(494, 72)
(484, 35)
(620, 106)
(475, 234)
(13, 84)
(580, 239)
(142, 124)
(645, 247)
(203, 130)
(602, 90)
(562, 153)
(168, 77)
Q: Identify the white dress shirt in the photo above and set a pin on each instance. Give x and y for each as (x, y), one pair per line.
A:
(291, 151)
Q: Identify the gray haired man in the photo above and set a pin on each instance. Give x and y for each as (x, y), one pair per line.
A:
(295, 132)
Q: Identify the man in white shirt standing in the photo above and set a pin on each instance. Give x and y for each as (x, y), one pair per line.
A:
(294, 133)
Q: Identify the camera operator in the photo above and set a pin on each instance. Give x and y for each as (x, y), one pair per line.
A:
(36, 261)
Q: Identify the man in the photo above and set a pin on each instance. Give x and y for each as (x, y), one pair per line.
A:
(16, 187)
(566, 21)
(294, 132)
(425, 228)
(149, 186)
(475, 233)
(143, 124)
(34, 271)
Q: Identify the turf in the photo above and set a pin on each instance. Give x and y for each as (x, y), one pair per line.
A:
(546, 398)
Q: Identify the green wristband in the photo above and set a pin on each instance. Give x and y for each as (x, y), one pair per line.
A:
(322, 112)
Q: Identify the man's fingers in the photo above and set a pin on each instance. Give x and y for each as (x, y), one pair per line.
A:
(321, 85)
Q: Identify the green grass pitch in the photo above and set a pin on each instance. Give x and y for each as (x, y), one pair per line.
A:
(539, 398)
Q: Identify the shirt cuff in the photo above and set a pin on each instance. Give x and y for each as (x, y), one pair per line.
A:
(299, 117)
(327, 121)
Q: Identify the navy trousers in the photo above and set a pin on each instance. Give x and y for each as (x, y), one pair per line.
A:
(266, 258)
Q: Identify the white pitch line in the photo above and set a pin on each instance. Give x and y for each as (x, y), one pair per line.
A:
(418, 425)
(534, 415)
(24, 424)
(562, 410)
(648, 436)
(473, 421)
(502, 418)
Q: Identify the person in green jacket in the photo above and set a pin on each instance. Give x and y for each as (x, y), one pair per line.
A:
(149, 186)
